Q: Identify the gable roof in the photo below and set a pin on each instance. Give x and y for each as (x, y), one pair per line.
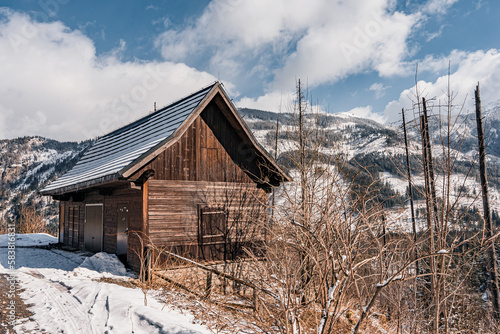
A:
(120, 153)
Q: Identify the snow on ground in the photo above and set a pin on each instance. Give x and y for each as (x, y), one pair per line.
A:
(397, 184)
(30, 239)
(102, 265)
(63, 294)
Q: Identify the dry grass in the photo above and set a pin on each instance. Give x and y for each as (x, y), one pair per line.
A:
(127, 283)
(229, 308)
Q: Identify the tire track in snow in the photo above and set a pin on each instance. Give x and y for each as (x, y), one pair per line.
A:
(62, 301)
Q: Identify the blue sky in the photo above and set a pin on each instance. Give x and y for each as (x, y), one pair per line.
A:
(78, 69)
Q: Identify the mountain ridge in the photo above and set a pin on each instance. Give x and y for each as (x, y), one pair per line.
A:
(30, 163)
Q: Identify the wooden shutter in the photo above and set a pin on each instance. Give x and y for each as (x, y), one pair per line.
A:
(73, 226)
(70, 226)
(76, 224)
(212, 233)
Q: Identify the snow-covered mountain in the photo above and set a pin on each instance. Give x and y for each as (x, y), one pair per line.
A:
(380, 150)
(26, 165)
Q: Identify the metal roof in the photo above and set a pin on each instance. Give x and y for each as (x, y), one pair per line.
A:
(111, 153)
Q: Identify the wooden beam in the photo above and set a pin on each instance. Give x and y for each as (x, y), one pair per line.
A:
(145, 208)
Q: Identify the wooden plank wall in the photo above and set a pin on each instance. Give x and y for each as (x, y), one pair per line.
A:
(173, 208)
(199, 155)
(110, 206)
(223, 125)
(201, 168)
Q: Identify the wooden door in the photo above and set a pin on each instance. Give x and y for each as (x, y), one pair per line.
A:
(93, 228)
(212, 233)
(122, 229)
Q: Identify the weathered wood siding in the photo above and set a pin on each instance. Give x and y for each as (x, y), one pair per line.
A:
(173, 210)
(225, 127)
(203, 168)
(70, 206)
(200, 155)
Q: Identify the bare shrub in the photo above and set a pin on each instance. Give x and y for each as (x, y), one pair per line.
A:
(30, 221)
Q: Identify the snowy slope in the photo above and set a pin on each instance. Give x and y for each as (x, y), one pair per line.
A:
(26, 165)
(65, 296)
(380, 148)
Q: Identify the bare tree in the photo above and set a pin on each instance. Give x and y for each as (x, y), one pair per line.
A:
(325, 236)
(30, 221)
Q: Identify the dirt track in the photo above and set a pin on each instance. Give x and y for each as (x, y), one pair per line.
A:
(22, 311)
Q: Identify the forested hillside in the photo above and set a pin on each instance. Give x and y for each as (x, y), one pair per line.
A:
(27, 164)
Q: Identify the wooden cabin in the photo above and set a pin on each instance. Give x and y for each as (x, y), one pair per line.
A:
(189, 177)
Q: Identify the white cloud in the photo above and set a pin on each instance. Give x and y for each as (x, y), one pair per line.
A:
(436, 64)
(367, 112)
(435, 34)
(438, 6)
(473, 67)
(355, 41)
(279, 101)
(379, 89)
(54, 85)
(275, 101)
(276, 42)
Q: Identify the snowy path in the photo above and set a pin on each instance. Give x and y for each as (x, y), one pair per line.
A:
(65, 297)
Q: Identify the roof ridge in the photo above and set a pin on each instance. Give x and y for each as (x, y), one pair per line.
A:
(143, 118)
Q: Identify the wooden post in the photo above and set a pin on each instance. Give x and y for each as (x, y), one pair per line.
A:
(430, 165)
(256, 299)
(383, 230)
(302, 154)
(208, 288)
(276, 159)
(493, 265)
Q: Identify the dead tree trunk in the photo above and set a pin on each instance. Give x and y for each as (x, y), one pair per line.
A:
(493, 265)
(301, 151)
(430, 227)
(276, 159)
(410, 191)
(430, 164)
